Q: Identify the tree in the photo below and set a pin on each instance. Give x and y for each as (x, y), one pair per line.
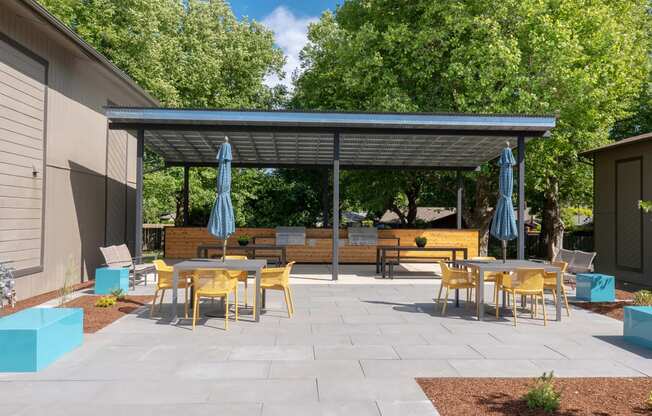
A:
(584, 59)
(186, 53)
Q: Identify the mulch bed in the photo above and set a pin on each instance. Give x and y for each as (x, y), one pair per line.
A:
(40, 299)
(96, 318)
(612, 309)
(503, 396)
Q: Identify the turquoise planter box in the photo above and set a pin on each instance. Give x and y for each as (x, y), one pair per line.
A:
(638, 325)
(108, 279)
(34, 338)
(594, 287)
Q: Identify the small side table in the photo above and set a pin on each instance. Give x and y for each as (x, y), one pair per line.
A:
(595, 287)
(108, 279)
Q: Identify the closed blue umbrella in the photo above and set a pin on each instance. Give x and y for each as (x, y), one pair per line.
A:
(503, 226)
(222, 224)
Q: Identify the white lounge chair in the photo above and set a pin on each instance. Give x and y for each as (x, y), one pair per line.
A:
(578, 262)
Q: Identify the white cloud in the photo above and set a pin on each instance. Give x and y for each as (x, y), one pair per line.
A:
(291, 35)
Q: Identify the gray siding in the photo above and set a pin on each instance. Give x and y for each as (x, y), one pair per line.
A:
(87, 172)
(22, 136)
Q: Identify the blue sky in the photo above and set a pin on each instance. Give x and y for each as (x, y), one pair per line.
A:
(289, 20)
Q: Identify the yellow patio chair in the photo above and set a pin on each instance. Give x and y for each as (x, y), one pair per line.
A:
(277, 278)
(550, 283)
(214, 283)
(525, 282)
(165, 275)
(454, 279)
(241, 275)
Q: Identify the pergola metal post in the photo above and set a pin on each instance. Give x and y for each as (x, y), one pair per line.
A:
(336, 205)
(138, 221)
(460, 193)
(521, 197)
(186, 187)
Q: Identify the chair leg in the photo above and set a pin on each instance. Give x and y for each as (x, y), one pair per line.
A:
(226, 312)
(151, 310)
(514, 307)
(563, 292)
(185, 306)
(245, 292)
(236, 303)
(439, 294)
(195, 310)
(533, 306)
(497, 306)
(443, 309)
(545, 317)
(291, 300)
(287, 302)
(160, 305)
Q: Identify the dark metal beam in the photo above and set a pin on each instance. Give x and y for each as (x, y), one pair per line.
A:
(186, 199)
(381, 131)
(319, 166)
(521, 198)
(460, 192)
(138, 220)
(336, 206)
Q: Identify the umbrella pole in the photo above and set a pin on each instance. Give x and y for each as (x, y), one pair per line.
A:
(504, 250)
(224, 249)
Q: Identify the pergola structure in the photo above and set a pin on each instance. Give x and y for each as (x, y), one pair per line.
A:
(336, 140)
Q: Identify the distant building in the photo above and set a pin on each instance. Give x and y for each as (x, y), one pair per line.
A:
(434, 217)
(623, 234)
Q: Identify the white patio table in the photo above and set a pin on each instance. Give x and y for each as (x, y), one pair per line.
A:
(509, 266)
(245, 265)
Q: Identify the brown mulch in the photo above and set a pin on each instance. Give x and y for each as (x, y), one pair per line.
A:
(96, 318)
(612, 309)
(503, 396)
(40, 299)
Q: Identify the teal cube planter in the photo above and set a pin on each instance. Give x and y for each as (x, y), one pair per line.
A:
(594, 287)
(637, 327)
(108, 279)
(33, 338)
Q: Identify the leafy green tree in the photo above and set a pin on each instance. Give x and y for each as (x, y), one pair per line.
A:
(584, 60)
(186, 53)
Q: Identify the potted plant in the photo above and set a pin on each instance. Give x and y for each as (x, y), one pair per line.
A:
(243, 240)
(421, 241)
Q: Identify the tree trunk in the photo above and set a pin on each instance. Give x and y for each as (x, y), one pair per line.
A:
(552, 227)
(479, 216)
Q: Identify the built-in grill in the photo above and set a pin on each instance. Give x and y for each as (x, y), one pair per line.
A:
(290, 236)
(363, 236)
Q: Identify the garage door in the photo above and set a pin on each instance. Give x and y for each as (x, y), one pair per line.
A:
(22, 132)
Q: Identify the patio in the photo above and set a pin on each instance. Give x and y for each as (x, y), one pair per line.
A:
(353, 347)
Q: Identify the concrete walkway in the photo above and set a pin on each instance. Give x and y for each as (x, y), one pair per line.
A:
(351, 349)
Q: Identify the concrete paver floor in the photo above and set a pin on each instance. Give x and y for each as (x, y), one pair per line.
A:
(353, 348)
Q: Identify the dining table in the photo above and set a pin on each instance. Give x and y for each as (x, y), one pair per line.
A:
(509, 266)
(252, 265)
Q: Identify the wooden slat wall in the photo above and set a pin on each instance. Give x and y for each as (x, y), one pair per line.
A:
(182, 242)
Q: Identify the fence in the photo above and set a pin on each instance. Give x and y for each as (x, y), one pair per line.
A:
(154, 237)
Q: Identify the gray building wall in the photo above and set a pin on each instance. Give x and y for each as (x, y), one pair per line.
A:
(623, 235)
(81, 197)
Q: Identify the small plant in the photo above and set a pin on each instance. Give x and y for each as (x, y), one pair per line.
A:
(421, 241)
(119, 294)
(69, 277)
(243, 240)
(105, 302)
(645, 206)
(367, 223)
(648, 402)
(643, 298)
(543, 395)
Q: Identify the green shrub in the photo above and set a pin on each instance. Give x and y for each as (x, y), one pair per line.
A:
(649, 401)
(543, 394)
(105, 302)
(119, 294)
(367, 223)
(643, 298)
(243, 240)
